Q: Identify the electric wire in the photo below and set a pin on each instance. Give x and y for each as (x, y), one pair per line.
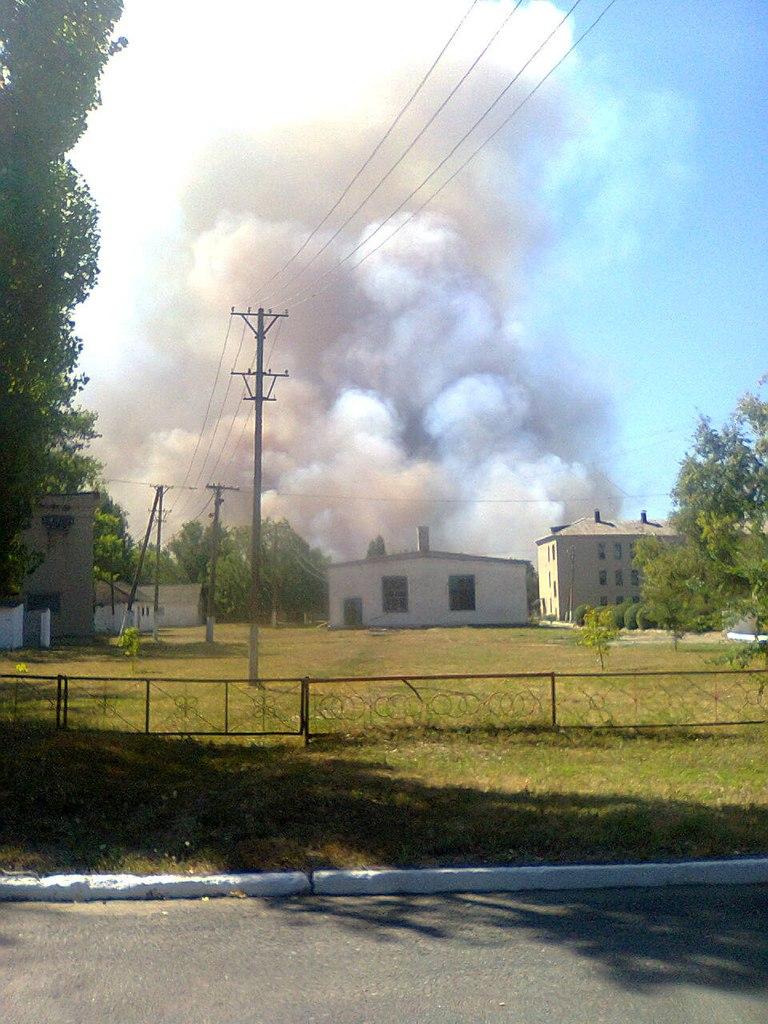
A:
(303, 296)
(414, 141)
(207, 410)
(366, 163)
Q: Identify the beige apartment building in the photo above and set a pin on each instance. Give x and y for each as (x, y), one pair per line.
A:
(589, 561)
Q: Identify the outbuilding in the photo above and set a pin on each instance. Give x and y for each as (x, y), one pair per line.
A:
(427, 588)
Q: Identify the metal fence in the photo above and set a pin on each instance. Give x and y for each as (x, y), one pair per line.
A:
(313, 707)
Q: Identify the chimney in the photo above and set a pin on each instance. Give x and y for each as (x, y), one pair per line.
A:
(597, 515)
(423, 540)
(643, 516)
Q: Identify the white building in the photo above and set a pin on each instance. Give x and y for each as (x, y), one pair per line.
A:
(428, 588)
(180, 603)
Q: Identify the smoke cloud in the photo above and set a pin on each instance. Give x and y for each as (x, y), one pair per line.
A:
(417, 393)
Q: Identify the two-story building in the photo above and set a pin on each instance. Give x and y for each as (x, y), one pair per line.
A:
(590, 561)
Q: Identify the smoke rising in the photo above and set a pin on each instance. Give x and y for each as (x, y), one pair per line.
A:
(417, 392)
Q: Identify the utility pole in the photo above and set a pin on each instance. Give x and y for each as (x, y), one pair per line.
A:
(160, 490)
(257, 394)
(210, 619)
(140, 566)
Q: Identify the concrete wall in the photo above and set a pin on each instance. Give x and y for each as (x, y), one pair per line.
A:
(142, 617)
(500, 594)
(62, 533)
(12, 628)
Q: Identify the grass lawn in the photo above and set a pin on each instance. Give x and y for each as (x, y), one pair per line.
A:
(96, 801)
(454, 795)
(321, 652)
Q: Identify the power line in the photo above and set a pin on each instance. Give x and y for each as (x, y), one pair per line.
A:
(207, 408)
(303, 297)
(393, 167)
(375, 149)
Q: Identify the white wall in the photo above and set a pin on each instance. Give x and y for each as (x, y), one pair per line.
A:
(12, 628)
(142, 617)
(180, 615)
(500, 591)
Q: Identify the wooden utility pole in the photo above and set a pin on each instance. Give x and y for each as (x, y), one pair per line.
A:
(257, 395)
(210, 620)
(140, 566)
(160, 491)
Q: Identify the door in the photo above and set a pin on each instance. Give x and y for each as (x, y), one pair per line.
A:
(353, 611)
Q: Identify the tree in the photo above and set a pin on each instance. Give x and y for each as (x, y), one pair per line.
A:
(598, 632)
(677, 585)
(532, 590)
(191, 550)
(376, 548)
(51, 56)
(112, 545)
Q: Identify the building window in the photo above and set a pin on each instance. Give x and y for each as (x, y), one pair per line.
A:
(543, 606)
(635, 577)
(617, 551)
(601, 551)
(603, 576)
(394, 593)
(618, 577)
(603, 601)
(619, 599)
(38, 602)
(554, 552)
(555, 588)
(461, 593)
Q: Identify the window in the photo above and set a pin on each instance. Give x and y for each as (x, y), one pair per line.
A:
(635, 574)
(394, 593)
(617, 551)
(619, 599)
(603, 576)
(554, 552)
(461, 593)
(601, 551)
(619, 578)
(37, 602)
(555, 588)
(543, 606)
(603, 601)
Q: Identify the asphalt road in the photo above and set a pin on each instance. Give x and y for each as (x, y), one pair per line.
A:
(676, 956)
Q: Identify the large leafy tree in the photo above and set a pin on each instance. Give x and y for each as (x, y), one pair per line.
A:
(721, 512)
(112, 544)
(52, 53)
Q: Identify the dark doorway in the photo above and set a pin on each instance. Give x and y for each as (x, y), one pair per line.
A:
(353, 611)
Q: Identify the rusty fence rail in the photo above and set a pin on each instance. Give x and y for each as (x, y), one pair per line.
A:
(312, 707)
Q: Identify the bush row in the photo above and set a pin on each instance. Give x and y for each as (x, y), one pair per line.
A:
(625, 616)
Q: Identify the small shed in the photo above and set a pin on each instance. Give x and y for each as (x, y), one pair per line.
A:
(180, 604)
(424, 588)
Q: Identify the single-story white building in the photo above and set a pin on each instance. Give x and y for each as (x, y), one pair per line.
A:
(180, 603)
(428, 588)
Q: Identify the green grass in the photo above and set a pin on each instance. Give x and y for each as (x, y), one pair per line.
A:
(472, 791)
(107, 802)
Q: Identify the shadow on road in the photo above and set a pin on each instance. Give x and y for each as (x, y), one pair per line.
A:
(643, 939)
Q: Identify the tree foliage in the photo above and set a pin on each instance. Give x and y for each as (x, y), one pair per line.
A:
(51, 56)
(598, 632)
(376, 548)
(112, 543)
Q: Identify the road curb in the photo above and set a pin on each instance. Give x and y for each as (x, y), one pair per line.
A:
(84, 888)
(383, 882)
(739, 871)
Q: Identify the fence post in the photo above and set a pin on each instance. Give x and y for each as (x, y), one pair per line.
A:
(146, 706)
(553, 698)
(58, 701)
(226, 706)
(304, 711)
(65, 708)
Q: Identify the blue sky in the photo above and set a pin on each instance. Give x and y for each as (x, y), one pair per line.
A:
(679, 320)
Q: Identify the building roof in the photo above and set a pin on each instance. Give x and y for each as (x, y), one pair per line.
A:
(103, 593)
(453, 556)
(171, 593)
(588, 526)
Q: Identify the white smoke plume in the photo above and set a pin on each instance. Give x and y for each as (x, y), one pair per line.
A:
(417, 393)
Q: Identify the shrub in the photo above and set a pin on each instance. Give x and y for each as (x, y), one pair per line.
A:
(579, 613)
(645, 617)
(630, 616)
(617, 613)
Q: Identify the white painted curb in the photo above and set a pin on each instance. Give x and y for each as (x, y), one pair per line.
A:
(76, 888)
(384, 882)
(743, 871)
